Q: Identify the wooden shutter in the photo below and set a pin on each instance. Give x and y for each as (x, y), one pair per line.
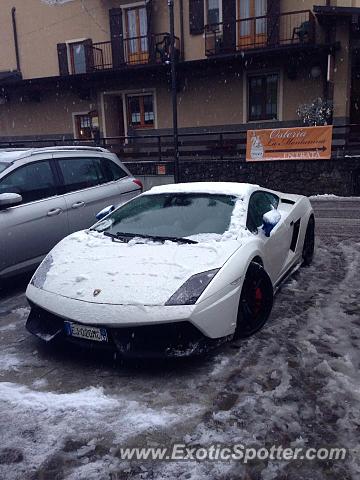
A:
(229, 25)
(273, 22)
(117, 38)
(151, 43)
(63, 59)
(89, 55)
(196, 16)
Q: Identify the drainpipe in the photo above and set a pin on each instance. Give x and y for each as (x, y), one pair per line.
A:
(182, 38)
(16, 43)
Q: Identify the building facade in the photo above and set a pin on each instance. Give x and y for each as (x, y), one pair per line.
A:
(100, 68)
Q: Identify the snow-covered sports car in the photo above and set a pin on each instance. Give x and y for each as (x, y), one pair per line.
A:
(174, 271)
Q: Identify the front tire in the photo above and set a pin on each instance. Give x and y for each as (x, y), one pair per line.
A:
(309, 242)
(256, 301)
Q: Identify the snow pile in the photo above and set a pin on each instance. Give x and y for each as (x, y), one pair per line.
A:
(9, 361)
(273, 217)
(241, 190)
(88, 415)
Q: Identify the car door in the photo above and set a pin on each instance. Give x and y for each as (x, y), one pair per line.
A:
(276, 246)
(30, 230)
(88, 185)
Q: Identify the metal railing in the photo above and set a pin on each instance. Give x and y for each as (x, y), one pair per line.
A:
(102, 55)
(202, 146)
(144, 49)
(288, 28)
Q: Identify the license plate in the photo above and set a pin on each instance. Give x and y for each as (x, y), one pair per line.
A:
(86, 332)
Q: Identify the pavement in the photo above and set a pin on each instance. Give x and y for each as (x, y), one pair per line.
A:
(65, 413)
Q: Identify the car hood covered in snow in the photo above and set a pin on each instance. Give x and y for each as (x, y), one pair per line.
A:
(91, 267)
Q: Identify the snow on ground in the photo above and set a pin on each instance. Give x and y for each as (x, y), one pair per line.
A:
(64, 414)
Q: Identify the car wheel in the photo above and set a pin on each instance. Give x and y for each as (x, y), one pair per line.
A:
(256, 301)
(309, 242)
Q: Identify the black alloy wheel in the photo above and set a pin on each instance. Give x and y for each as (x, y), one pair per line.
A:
(256, 301)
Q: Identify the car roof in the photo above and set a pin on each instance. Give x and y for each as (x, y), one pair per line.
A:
(220, 188)
(11, 155)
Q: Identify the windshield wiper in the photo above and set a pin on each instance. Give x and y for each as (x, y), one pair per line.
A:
(126, 235)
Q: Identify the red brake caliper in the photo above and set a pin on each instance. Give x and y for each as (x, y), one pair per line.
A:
(258, 299)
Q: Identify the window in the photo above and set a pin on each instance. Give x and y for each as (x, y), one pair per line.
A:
(34, 181)
(213, 11)
(83, 127)
(140, 110)
(136, 29)
(179, 215)
(80, 173)
(252, 33)
(113, 171)
(263, 97)
(77, 57)
(259, 203)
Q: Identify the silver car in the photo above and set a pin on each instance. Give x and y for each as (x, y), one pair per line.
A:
(48, 193)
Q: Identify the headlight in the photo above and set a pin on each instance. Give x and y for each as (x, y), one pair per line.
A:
(191, 290)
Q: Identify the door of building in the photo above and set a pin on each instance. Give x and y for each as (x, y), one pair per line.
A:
(251, 28)
(136, 30)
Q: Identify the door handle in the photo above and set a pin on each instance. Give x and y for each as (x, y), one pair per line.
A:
(78, 204)
(54, 211)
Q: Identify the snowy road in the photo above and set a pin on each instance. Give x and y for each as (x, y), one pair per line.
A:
(296, 383)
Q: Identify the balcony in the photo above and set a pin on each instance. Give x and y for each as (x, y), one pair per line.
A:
(267, 31)
(142, 50)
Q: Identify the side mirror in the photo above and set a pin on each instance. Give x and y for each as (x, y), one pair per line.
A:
(270, 220)
(8, 200)
(105, 211)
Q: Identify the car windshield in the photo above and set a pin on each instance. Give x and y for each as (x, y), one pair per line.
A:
(171, 215)
(3, 166)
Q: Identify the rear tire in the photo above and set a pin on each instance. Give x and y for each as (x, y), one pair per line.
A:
(309, 242)
(256, 301)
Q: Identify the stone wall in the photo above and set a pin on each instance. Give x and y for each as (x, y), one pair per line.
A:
(339, 177)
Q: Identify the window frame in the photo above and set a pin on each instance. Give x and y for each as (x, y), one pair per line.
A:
(206, 13)
(246, 95)
(75, 115)
(143, 54)
(142, 125)
(276, 198)
(70, 46)
(54, 173)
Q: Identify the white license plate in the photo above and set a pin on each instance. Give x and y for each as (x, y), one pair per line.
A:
(86, 332)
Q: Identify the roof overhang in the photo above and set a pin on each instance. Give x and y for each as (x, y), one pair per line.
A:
(333, 13)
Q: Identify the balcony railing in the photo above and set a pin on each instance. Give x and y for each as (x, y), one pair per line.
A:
(146, 49)
(289, 28)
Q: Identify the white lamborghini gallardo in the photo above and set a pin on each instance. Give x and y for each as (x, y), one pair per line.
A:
(174, 271)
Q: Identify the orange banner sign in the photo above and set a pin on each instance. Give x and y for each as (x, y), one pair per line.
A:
(300, 143)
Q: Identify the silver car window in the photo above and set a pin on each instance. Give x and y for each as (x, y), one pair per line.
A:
(34, 181)
(80, 173)
(115, 171)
